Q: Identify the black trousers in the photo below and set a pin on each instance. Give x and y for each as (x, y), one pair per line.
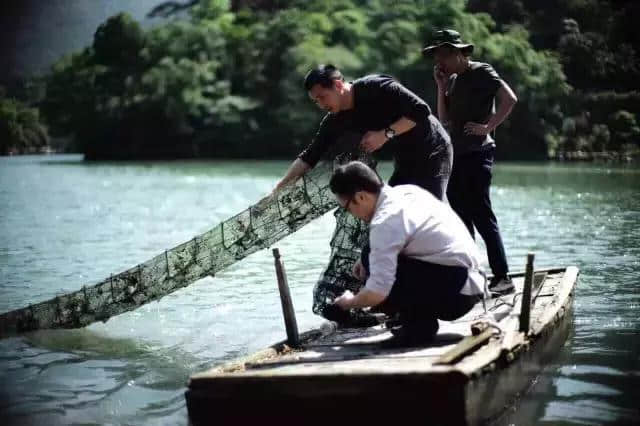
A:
(425, 292)
(468, 195)
(432, 175)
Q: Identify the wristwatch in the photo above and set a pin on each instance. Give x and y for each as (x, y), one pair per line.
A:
(389, 132)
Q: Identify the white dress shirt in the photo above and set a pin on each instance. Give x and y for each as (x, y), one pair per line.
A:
(409, 220)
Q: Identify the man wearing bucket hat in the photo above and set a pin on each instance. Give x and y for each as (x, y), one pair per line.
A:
(467, 91)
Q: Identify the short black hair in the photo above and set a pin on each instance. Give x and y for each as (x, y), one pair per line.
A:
(324, 75)
(353, 177)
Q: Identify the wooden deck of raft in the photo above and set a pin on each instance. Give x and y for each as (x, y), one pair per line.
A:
(349, 366)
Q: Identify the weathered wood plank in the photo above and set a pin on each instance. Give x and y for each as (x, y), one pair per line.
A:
(473, 364)
(525, 307)
(566, 287)
(276, 350)
(465, 347)
(351, 367)
(288, 312)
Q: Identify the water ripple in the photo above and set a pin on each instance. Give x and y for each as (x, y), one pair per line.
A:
(66, 223)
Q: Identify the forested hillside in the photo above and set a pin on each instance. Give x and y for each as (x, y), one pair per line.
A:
(227, 80)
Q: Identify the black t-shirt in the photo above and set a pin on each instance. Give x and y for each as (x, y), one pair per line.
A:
(379, 101)
(470, 97)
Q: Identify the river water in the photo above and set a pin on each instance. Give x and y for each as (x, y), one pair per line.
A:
(65, 223)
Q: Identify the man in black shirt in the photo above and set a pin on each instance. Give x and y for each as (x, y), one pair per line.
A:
(466, 94)
(383, 111)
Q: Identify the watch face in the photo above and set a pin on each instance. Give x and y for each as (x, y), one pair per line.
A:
(389, 133)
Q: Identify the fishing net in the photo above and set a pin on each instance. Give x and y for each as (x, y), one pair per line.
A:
(253, 229)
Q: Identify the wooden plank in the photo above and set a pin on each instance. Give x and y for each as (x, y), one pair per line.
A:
(285, 298)
(493, 395)
(512, 335)
(525, 307)
(273, 351)
(277, 355)
(465, 347)
(483, 358)
(538, 279)
(538, 283)
(347, 367)
(237, 398)
(550, 270)
(388, 359)
(486, 358)
(567, 286)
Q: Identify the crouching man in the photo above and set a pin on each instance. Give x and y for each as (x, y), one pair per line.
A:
(422, 264)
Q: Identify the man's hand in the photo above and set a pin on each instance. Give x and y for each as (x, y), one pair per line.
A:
(478, 129)
(440, 77)
(344, 301)
(373, 140)
(358, 271)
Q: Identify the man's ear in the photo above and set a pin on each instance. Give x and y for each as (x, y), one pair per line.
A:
(338, 84)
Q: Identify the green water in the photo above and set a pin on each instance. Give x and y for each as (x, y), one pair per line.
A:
(65, 223)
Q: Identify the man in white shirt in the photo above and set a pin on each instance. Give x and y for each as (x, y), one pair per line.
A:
(422, 263)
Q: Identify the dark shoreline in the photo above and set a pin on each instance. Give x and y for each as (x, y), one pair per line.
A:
(604, 156)
(565, 157)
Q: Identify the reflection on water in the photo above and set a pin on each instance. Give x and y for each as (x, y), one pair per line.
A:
(81, 376)
(65, 223)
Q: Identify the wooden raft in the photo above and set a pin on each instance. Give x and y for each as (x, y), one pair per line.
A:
(458, 379)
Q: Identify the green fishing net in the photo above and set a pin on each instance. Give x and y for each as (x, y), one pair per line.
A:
(253, 229)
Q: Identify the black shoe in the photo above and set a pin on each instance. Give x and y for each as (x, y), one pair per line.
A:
(500, 286)
(363, 320)
(396, 329)
(352, 318)
(392, 323)
(335, 313)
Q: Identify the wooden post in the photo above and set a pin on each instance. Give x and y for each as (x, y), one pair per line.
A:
(287, 306)
(525, 310)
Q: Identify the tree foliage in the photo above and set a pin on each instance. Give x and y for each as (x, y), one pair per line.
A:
(20, 128)
(226, 79)
(597, 45)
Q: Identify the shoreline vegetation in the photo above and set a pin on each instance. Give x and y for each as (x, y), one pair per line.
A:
(619, 157)
(223, 79)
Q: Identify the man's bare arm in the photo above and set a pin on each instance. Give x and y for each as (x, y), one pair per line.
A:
(297, 169)
(506, 100)
(363, 299)
(374, 139)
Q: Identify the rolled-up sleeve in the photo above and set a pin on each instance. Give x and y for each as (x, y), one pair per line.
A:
(324, 138)
(387, 239)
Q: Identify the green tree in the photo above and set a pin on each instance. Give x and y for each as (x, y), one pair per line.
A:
(624, 130)
(596, 41)
(226, 78)
(118, 41)
(20, 128)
